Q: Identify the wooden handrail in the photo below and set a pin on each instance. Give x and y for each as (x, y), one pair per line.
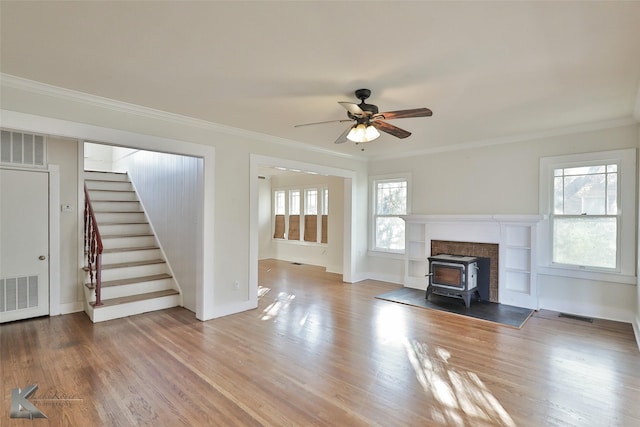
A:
(93, 246)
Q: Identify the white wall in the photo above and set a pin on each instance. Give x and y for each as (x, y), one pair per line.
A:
(328, 255)
(264, 218)
(170, 188)
(503, 179)
(98, 157)
(64, 153)
(636, 324)
(228, 239)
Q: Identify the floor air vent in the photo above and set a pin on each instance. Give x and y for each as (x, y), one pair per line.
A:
(573, 316)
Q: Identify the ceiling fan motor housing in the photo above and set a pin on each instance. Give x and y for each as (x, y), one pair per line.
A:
(371, 109)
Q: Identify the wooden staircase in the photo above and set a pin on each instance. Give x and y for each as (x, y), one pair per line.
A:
(136, 277)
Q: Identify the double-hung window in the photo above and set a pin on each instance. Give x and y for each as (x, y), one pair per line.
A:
(390, 200)
(590, 200)
(294, 215)
(585, 215)
(279, 210)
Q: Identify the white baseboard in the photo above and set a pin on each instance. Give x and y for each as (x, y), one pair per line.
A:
(337, 269)
(71, 307)
(391, 278)
(358, 277)
(230, 309)
(636, 330)
(588, 310)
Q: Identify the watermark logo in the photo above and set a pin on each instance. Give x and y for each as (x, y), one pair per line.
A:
(20, 405)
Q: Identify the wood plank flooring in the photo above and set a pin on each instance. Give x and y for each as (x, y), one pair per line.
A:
(319, 352)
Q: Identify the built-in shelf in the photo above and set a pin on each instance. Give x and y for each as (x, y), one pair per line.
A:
(514, 234)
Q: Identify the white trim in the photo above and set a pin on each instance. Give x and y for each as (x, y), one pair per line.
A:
(636, 109)
(127, 108)
(510, 139)
(371, 243)
(54, 239)
(32, 86)
(636, 329)
(255, 162)
(205, 307)
(234, 308)
(627, 257)
(71, 307)
(389, 278)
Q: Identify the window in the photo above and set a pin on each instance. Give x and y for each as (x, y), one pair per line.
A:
(325, 216)
(287, 207)
(586, 216)
(389, 201)
(590, 201)
(311, 215)
(294, 215)
(279, 211)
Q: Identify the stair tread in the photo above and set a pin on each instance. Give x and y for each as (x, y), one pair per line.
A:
(124, 223)
(119, 236)
(138, 297)
(133, 264)
(94, 201)
(118, 212)
(112, 191)
(107, 172)
(137, 248)
(133, 280)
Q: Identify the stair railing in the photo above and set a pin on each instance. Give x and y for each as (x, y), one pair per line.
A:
(92, 247)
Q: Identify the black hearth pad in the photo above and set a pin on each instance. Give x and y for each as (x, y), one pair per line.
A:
(499, 313)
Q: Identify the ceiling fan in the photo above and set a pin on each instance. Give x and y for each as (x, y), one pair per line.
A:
(367, 121)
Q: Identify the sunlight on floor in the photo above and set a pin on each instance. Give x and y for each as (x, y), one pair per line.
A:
(391, 324)
(262, 291)
(282, 301)
(462, 396)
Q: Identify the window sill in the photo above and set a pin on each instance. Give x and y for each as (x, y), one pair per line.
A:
(383, 254)
(599, 276)
(298, 242)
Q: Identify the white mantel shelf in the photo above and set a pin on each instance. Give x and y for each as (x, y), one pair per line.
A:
(516, 236)
(475, 218)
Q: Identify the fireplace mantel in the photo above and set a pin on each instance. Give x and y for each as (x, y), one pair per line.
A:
(516, 236)
(499, 218)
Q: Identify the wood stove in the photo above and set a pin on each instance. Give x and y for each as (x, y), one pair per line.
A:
(453, 276)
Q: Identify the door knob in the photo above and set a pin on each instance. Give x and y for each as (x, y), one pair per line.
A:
(42, 257)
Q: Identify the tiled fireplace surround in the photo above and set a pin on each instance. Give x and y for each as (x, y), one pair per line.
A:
(508, 240)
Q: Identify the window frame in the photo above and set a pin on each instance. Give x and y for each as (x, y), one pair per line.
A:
(625, 270)
(374, 181)
(302, 209)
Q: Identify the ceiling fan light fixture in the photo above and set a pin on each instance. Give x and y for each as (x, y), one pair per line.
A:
(363, 133)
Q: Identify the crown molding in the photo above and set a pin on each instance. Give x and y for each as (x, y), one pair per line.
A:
(510, 139)
(32, 86)
(636, 109)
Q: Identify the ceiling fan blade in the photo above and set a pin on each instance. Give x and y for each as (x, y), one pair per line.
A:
(343, 136)
(390, 129)
(354, 109)
(405, 114)
(321, 123)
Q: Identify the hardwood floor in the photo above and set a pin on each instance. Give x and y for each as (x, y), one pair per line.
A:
(321, 352)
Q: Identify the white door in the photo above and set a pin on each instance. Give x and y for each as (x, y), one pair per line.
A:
(24, 244)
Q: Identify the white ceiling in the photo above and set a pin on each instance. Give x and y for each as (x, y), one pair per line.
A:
(490, 71)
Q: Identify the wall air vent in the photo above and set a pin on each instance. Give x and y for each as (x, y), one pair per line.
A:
(22, 149)
(18, 293)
